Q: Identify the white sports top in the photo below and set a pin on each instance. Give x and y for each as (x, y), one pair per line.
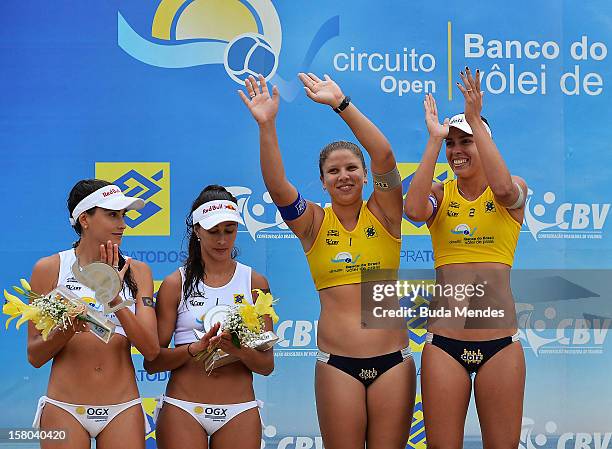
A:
(192, 310)
(67, 279)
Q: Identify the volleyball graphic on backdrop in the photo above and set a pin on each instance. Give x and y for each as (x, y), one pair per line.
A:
(249, 54)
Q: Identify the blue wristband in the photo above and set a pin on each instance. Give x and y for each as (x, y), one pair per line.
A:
(293, 210)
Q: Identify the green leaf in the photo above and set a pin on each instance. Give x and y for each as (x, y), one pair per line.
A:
(235, 339)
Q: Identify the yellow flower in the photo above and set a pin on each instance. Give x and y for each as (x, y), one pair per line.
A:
(15, 307)
(249, 317)
(25, 285)
(45, 324)
(263, 305)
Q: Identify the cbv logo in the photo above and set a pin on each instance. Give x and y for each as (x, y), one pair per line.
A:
(549, 335)
(297, 334)
(546, 219)
(289, 442)
(566, 440)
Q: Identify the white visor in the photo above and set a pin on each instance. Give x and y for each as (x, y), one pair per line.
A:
(108, 197)
(458, 121)
(212, 213)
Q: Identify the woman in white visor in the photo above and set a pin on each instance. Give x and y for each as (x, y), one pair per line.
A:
(220, 405)
(92, 390)
(474, 221)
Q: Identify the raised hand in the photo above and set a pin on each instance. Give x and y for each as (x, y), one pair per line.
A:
(431, 119)
(263, 107)
(324, 91)
(472, 94)
(109, 254)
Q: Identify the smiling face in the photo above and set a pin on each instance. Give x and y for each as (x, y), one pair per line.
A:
(217, 242)
(343, 176)
(104, 225)
(462, 154)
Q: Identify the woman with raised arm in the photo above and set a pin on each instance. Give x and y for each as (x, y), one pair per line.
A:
(220, 404)
(474, 221)
(364, 378)
(92, 390)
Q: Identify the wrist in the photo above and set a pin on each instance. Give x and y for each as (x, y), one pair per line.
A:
(193, 350)
(115, 301)
(473, 119)
(342, 104)
(269, 123)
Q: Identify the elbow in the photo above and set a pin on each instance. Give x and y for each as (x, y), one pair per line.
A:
(414, 214)
(503, 190)
(277, 189)
(36, 362)
(151, 353)
(267, 369)
(385, 153)
(150, 367)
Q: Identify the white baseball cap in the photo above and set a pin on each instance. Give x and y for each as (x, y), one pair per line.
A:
(108, 197)
(458, 121)
(211, 213)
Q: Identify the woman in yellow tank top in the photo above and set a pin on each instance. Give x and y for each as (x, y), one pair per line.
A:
(474, 221)
(364, 378)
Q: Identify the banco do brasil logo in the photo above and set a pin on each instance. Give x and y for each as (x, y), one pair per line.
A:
(149, 181)
(244, 36)
(442, 173)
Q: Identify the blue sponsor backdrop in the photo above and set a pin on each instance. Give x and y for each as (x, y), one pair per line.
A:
(90, 86)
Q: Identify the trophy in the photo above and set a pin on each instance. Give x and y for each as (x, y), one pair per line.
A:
(104, 280)
(217, 357)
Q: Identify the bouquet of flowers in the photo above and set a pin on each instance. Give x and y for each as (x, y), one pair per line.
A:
(246, 325)
(56, 310)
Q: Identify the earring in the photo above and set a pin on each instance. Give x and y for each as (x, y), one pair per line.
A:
(198, 238)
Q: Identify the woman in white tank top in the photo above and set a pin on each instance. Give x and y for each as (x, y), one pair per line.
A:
(220, 405)
(92, 390)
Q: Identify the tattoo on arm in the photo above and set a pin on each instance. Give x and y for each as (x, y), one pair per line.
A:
(148, 302)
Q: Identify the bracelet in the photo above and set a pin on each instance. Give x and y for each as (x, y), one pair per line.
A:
(343, 105)
(188, 351)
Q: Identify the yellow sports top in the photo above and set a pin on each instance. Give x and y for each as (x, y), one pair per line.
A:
(472, 231)
(338, 256)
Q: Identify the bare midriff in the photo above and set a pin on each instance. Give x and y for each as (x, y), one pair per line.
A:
(340, 329)
(87, 371)
(229, 384)
(497, 299)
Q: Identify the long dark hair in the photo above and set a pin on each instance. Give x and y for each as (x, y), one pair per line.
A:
(80, 190)
(194, 264)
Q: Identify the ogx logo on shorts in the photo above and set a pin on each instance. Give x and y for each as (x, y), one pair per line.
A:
(149, 181)
(94, 413)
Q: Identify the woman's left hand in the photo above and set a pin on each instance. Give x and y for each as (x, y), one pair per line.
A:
(224, 342)
(324, 91)
(472, 94)
(109, 254)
